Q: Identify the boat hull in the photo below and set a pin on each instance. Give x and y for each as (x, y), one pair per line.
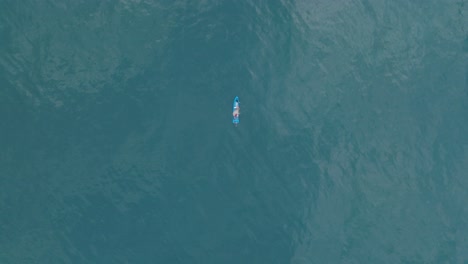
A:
(235, 119)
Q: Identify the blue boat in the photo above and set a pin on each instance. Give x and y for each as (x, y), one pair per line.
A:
(235, 111)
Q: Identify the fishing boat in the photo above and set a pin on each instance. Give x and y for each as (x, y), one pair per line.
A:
(235, 111)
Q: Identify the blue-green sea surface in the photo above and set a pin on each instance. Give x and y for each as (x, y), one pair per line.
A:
(117, 143)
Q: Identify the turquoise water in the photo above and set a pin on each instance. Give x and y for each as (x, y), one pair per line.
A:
(117, 144)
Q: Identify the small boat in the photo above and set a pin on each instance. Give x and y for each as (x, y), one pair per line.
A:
(235, 111)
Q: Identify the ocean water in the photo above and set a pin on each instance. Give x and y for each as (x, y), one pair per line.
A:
(117, 145)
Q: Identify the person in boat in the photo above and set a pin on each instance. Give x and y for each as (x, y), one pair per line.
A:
(236, 111)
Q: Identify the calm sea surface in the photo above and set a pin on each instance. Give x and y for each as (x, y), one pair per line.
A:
(117, 143)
